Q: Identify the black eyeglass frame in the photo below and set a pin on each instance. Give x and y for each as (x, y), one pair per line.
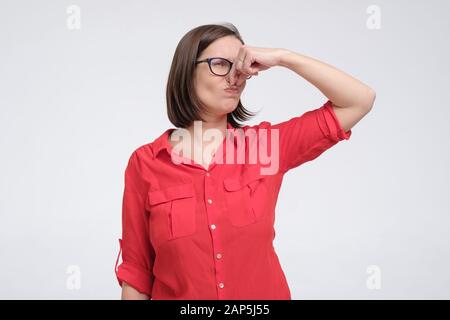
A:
(208, 60)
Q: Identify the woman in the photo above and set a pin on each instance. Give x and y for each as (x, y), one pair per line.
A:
(198, 213)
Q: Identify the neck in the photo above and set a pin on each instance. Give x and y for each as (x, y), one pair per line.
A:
(198, 140)
(197, 130)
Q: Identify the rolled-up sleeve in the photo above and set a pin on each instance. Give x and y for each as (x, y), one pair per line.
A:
(305, 137)
(137, 251)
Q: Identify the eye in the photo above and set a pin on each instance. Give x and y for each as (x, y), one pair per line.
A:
(219, 63)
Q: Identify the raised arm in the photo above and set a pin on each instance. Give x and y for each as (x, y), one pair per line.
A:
(351, 99)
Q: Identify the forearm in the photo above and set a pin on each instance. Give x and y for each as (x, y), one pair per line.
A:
(130, 293)
(342, 89)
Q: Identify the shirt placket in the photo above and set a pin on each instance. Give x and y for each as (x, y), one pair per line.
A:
(215, 229)
(213, 215)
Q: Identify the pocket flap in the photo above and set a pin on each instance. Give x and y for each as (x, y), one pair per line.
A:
(234, 184)
(170, 193)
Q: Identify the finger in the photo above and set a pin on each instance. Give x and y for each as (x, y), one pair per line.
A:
(247, 69)
(236, 68)
(235, 71)
(241, 79)
(235, 76)
(240, 61)
(232, 73)
(244, 69)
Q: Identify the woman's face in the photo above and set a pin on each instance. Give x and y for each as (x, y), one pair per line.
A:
(210, 88)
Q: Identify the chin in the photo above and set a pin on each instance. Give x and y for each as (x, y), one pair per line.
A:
(225, 108)
(230, 106)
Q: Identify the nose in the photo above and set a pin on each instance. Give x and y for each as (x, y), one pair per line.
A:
(228, 78)
(238, 78)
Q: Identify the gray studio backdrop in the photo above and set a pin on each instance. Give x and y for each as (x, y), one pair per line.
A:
(82, 84)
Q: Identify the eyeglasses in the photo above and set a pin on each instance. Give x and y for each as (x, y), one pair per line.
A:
(218, 66)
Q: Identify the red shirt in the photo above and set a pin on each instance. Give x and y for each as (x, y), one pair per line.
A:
(192, 233)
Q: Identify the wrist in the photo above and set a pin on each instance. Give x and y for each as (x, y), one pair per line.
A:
(285, 56)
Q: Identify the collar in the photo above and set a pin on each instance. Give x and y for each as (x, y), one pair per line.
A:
(162, 142)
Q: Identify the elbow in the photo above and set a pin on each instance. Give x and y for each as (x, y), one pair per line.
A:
(371, 96)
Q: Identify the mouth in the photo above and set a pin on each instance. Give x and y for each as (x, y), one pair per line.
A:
(232, 90)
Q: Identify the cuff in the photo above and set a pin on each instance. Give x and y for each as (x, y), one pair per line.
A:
(330, 124)
(141, 280)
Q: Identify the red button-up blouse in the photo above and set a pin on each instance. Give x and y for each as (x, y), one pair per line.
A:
(192, 233)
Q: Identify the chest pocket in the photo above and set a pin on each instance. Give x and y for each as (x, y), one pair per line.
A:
(172, 213)
(245, 198)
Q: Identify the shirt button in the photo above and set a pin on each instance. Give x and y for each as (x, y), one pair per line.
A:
(219, 256)
(207, 174)
(221, 285)
(209, 201)
(213, 226)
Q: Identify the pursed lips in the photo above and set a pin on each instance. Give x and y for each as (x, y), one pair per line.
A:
(232, 90)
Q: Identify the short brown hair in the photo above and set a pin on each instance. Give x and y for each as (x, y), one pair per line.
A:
(183, 105)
